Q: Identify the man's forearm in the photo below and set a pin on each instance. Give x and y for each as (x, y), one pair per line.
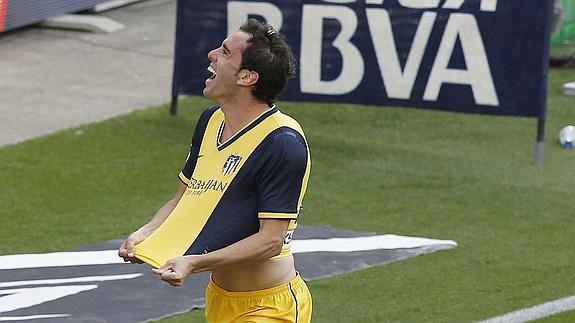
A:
(258, 247)
(159, 218)
(263, 245)
(253, 248)
(163, 213)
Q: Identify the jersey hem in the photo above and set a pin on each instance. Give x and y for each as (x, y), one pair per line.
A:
(183, 178)
(269, 215)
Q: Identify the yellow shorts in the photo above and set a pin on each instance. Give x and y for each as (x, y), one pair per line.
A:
(290, 302)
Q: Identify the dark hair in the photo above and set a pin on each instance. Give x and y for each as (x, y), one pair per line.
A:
(270, 56)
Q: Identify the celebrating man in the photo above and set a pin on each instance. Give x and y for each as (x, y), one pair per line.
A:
(241, 193)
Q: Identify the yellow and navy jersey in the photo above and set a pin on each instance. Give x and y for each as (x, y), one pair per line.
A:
(259, 173)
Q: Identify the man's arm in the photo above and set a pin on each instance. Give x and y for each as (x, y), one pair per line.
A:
(127, 250)
(263, 245)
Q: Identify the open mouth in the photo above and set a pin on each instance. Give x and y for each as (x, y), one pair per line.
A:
(211, 70)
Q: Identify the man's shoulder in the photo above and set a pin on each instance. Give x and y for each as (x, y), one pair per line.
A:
(285, 141)
(208, 113)
(288, 122)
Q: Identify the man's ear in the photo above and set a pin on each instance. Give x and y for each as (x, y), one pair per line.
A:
(247, 78)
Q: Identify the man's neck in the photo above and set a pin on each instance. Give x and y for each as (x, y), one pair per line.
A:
(239, 114)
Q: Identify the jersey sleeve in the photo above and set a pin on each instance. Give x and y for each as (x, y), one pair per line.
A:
(282, 180)
(186, 174)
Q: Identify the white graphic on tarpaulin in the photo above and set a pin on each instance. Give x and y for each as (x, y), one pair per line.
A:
(13, 299)
(81, 258)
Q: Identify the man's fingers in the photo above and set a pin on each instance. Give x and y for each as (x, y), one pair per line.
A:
(172, 277)
(129, 255)
(122, 251)
(159, 271)
(171, 272)
(168, 275)
(130, 246)
(167, 266)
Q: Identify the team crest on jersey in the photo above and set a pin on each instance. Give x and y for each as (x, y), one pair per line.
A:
(231, 164)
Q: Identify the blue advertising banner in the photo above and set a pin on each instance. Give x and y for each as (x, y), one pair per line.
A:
(477, 56)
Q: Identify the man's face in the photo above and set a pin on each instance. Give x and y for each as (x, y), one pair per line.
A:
(224, 63)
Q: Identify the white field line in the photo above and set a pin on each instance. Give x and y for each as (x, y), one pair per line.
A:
(536, 312)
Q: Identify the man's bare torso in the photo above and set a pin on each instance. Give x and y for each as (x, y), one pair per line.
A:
(256, 275)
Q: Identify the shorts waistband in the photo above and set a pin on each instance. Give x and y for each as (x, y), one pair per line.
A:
(297, 281)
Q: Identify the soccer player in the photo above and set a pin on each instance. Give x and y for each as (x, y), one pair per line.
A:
(241, 190)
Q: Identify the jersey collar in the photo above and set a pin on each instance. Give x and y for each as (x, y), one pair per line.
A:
(273, 109)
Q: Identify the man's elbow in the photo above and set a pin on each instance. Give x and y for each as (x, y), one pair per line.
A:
(276, 245)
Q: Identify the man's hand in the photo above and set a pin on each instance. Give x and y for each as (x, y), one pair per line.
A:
(127, 249)
(176, 270)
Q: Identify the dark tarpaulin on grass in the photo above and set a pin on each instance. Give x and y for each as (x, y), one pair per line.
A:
(145, 297)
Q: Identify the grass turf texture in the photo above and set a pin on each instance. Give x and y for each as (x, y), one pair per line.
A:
(406, 171)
